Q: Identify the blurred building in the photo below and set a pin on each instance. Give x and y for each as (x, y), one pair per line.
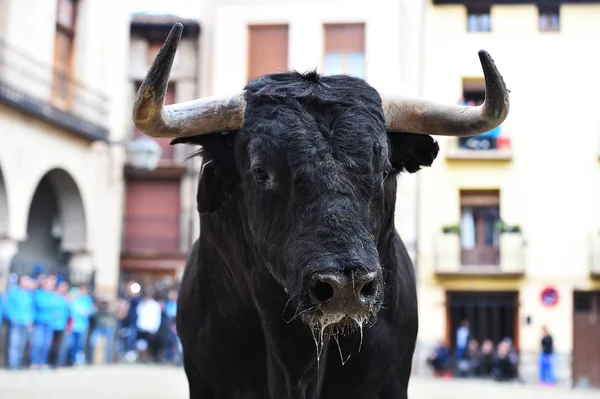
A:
(509, 222)
(505, 223)
(377, 40)
(60, 103)
(160, 220)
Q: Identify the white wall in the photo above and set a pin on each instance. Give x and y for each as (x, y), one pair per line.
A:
(30, 148)
(550, 187)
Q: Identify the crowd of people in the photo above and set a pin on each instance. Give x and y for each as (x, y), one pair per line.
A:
(486, 360)
(52, 324)
(147, 329)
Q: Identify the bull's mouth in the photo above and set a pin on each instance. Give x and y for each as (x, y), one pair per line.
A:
(324, 326)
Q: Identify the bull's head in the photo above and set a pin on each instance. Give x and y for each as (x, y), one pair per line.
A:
(310, 164)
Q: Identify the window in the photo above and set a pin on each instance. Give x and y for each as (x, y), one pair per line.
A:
(549, 17)
(478, 18)
(167, 149)
(267, 50)
(64, 47)
(474, 94)
(345, 50)
(479, 231)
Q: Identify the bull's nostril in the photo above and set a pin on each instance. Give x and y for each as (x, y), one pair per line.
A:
(323, 291)
(368, 290)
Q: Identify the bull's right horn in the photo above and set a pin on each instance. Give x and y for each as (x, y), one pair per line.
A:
(191, 118)
(424, 117)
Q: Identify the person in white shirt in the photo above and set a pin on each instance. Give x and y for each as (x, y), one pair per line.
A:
(149, 315)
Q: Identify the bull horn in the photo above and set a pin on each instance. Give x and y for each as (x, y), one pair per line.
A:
(190, 118)
(424, 117)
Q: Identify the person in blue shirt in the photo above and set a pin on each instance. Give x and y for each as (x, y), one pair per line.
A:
(171, 312)
(58, 350)
(19, 311)
(45, 303)
(131, 322)
(439, 359)
(82, 307)
(1, 303)
(171, 305)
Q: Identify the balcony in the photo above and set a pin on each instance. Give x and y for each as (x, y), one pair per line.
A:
(490, 146)
(595, 256)
(151, 235)
(507, 259)
(38, 90)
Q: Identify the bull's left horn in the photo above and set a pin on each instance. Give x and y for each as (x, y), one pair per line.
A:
(424, 117)
(190, 118)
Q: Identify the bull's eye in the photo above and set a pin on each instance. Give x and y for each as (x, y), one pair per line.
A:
(260, 175)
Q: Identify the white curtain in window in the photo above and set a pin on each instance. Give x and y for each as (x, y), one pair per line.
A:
(352, 64)
(333, 64)
(467, 229)
(356, 65)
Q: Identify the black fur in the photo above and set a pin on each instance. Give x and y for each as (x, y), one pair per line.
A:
(309, 183)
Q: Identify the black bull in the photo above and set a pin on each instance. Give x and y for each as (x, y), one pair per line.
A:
(299, 285)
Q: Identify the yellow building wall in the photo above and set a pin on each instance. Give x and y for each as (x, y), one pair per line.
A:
(550, 187)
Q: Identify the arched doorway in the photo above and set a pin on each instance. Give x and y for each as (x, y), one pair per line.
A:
(56, 227)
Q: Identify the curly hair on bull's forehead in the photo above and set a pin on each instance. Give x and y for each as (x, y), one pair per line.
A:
(338, 89)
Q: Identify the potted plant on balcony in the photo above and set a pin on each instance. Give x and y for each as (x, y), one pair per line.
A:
(506, 228)
(511, 247)
(448, 249)
(451, 229)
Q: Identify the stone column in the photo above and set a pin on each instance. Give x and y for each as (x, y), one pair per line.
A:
(81, 268)
(8, 249)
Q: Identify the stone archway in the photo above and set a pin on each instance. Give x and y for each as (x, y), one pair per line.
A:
(56, 225)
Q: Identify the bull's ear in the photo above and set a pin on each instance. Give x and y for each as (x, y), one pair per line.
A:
(218, 174)
(410, 152)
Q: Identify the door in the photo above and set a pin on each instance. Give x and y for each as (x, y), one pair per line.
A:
(491, 315)
(480, 236)
(586, 339)
(152, 217)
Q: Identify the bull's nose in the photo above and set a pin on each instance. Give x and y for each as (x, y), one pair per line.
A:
(345, 294)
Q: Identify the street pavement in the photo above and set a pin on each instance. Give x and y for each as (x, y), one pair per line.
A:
(165, 382)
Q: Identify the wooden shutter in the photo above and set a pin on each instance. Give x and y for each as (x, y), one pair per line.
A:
(267, 49)
(480, 197)
(345, 38)
(152, 215)
(64, 48)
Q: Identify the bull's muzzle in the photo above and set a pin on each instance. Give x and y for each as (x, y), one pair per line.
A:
(353, 295)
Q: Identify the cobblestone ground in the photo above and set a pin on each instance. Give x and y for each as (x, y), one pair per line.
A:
(153, 382)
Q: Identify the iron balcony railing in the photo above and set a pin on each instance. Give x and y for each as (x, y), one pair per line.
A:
(38, 89)
(449, 257)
